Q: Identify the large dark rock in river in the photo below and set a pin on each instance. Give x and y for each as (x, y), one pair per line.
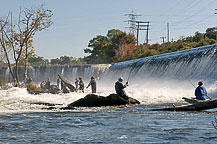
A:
(92, 100)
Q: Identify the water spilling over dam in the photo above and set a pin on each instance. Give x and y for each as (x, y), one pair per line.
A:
(167, 77)
(196, 63)
(41, 73)
(152, 80)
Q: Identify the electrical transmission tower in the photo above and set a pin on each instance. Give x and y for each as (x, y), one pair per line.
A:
(142, 25)
(132, 21)
(136, 26)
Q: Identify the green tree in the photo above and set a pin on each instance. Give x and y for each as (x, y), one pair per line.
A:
(37, 60)
(211, 33)
(198, 36)
(98, 50)
(55, 61)
(64, 60)
(102, 49)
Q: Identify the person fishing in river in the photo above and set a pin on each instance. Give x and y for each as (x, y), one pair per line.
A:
(76, 83)
(119, 88)
(47, 84)
(92, 83)
(81, 84)
(200, 92)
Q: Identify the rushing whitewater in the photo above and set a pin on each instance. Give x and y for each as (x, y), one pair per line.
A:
(167, 78)
(158, 79)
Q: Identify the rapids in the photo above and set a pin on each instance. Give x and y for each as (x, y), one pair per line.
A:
(162, 79)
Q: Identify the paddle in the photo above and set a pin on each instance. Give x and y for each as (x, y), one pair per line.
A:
(196, 87)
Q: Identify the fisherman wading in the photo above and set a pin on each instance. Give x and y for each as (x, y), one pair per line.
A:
(92, 83)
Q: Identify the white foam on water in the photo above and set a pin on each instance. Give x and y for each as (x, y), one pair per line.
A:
(156, 92)
(16, 100)
(161, 79)
(19, 100)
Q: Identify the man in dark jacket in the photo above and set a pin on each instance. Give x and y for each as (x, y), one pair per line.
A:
(119, 88)
(92, 83)
(81, 84)
(47, 83)
(76, 83)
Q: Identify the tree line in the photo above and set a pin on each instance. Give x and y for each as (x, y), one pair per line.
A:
(63, 60)
(119, 46)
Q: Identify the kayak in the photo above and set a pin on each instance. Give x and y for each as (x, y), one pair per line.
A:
(195, 105)
(192, 100)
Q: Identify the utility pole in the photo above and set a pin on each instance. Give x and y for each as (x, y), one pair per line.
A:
(136, 26)
(137, 34)
(147, 29)
(132, 22)
(168, 33)
(163, 39)
(140, 26)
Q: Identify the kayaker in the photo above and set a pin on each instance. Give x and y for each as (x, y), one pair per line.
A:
(200, 92)
(92, 83)
(119, 88)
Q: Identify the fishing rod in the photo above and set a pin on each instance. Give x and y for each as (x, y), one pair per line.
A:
(191, 83)
(129, 75)
(195, 87)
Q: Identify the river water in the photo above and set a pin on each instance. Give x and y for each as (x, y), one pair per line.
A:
(157, 82)
(23, 120)
(134, 124)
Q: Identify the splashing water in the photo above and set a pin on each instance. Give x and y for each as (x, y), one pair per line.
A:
(158, 79)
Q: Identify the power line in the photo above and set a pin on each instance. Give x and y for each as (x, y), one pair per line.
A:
(200, 10)
(178, 4)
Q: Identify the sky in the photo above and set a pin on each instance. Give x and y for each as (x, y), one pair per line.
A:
(76, 22)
